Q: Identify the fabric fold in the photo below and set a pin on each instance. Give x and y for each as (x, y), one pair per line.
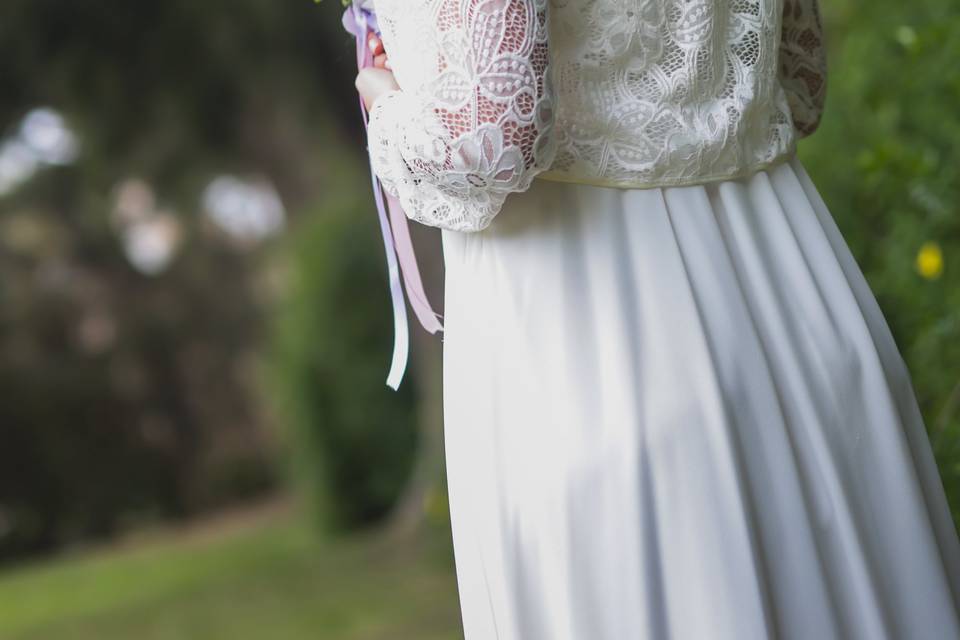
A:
(678, 413)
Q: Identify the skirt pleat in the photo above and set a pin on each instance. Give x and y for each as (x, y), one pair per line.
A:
(679, 413)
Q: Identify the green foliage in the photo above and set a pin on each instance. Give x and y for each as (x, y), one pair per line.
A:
(97, 432)
(887, 160)
(159, 416)
(353, 438)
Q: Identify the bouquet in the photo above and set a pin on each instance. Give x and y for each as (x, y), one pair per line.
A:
(360, 20)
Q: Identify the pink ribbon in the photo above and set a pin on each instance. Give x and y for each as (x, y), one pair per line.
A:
(397, 244)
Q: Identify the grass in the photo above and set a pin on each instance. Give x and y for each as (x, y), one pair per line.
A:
(263, 576)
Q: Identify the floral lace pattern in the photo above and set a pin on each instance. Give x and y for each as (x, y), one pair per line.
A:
(803, 63)
(474, 121)
(634, 93)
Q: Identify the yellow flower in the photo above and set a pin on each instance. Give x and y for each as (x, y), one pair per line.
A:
(930, 260)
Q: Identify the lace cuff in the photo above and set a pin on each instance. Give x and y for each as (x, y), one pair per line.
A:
(481, 128)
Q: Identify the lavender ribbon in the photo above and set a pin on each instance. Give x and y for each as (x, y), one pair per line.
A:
(398, 246)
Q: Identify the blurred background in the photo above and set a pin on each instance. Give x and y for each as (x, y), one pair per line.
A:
(196, 440)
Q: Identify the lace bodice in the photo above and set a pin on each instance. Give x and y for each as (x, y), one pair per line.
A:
(630, 93)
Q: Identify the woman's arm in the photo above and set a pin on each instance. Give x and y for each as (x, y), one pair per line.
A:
(481, 128)
(803, 63)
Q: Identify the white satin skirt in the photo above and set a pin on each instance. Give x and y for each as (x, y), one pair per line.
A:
(679, 413)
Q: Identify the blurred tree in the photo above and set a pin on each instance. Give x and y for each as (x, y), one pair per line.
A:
(129, 387)
(355, 439)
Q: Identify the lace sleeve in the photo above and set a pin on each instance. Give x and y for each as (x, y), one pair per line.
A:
(803, 63)
(480, 124)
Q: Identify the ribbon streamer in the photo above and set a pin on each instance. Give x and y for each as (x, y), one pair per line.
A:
(397, 244)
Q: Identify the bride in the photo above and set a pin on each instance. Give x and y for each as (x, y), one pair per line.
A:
(673, 407)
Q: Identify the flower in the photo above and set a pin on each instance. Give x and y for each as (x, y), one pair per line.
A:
(427, 142)
(930, 261)
(480, 162)
(358, 17)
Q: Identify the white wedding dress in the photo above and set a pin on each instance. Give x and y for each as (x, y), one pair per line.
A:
(679, 413)
(673, 408)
